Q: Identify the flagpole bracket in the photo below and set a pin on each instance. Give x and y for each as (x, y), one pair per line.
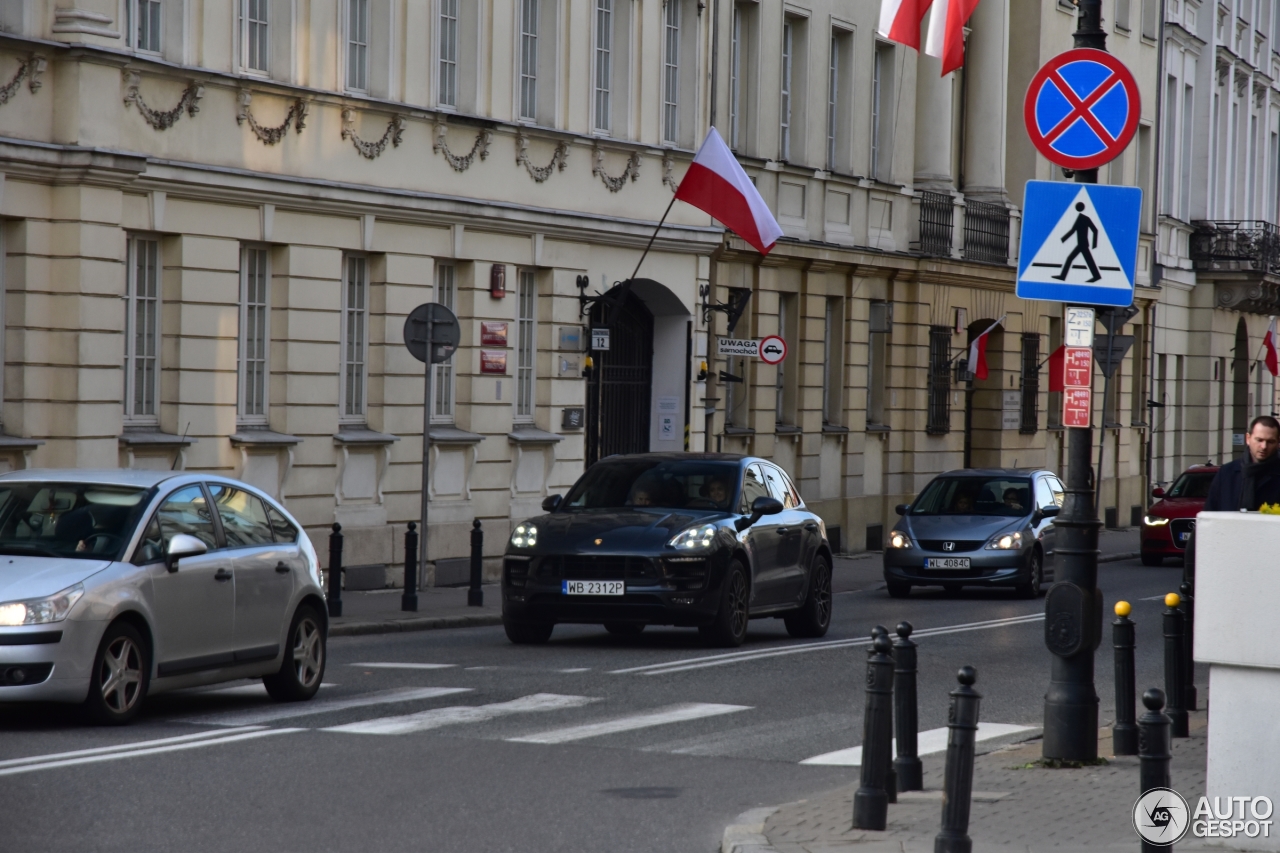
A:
(733, 310)
(612, 301)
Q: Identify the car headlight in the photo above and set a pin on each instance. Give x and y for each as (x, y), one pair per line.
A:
(39, 611)
(1005, 542)
(898, 539)
(1154, 521)
(524, 536)
(694, 539)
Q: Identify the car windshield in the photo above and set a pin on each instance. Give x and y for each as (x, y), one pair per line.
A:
(88, 521)
(1192, 485)
(1008, 496)
(664, 483)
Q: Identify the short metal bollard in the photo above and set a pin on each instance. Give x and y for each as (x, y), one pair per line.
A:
(409, 598)
(956, 796)
(475, 595)
(1174, 669)
(1188, 608)
(1154, 752)
(1124, 734)
(906, 765)
(335, 570)
(891, 777)
(871, 802)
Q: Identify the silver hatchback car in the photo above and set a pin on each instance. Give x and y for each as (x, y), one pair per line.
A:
(119, 584)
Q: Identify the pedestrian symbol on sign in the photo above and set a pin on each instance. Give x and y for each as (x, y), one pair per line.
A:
(1082, 229)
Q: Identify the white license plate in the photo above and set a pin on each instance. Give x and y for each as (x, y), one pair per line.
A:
(946, 562)
(1184, 536)
(594, 587)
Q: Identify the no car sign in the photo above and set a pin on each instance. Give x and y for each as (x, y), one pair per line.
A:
(773, 350)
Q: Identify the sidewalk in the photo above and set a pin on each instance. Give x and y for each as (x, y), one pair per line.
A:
(1014, 807)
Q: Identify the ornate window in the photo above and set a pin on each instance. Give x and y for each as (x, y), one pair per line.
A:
(355, 339)
(142, 331)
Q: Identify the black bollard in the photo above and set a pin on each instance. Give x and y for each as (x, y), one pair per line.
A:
(409, 598)
(1154, 752)
(1124, 734)
(1188, 608)
(1174, 669)
(871, 802)
(956, 796)
(335, 570)
(475, 595)
(891, 778)
(906, 765)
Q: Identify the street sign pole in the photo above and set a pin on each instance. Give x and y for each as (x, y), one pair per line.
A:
(426, 455)
(1071, 703)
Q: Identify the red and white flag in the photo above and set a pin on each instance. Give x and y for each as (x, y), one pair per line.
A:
(946, 32)
(900, 20)
(978, 352)
(1273, 364)
(716, 184)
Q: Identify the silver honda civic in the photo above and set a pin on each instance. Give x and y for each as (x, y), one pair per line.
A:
(119, 584)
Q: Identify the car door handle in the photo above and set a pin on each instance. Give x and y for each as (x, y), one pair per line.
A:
(784, 531)
(222, 575)
(811, 527)
(283, 568)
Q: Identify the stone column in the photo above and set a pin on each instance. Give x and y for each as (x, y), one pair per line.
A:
(934, 133)
(987, 65)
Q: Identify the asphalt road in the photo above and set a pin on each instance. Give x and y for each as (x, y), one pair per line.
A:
(590, 743)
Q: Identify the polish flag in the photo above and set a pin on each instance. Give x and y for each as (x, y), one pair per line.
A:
(1270, 343)
(900, 20)
(946, 32)
(716, 184)
(978, 351)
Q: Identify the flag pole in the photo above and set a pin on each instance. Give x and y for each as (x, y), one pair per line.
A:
(653, 236)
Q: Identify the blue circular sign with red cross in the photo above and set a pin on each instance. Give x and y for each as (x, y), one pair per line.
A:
(1082, 109)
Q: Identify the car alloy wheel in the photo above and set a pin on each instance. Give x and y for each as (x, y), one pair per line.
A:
(1035, 582)
(730, 626)
(308, 652)
(120, 674)
(298, 678)
(737, 603)
(814, 616)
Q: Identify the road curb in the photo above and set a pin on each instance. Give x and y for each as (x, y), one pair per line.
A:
(425, 623)
(1116, 558)
(747, 835)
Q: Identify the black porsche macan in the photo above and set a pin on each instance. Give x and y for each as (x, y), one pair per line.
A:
(706, 541)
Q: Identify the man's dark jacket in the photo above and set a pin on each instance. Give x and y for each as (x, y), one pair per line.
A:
(1230, 489)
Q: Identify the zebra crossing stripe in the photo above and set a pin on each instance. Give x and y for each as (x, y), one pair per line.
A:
(659, 717)
(439, 717)
(927, 743)
(271, 713)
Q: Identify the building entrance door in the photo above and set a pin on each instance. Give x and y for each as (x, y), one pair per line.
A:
(618, 394)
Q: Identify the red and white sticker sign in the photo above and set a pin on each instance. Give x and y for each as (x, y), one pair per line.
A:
(773, 350)
(1077, 387)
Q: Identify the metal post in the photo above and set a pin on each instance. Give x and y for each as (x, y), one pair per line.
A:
(1174, 669)
(1188, 609)
(335, 570)
(427, 403)
(1124, 734)
(1154, 755)
(907, 764)
(475, 595)
(958, 791)
(409, 598)
(871, 802)
(891, 774)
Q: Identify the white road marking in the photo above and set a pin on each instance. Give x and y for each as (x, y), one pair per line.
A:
(271, 713)
(155, 750)
(403, 665)
(576, 669)
(660, 717)
(258, 689)
(438, 717)
(1152, 598)
(126, 747)
(825, 645)
(927, 743)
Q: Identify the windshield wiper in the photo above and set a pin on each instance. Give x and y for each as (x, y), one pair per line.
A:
(28, 551)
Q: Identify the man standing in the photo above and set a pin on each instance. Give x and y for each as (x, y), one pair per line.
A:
(1250, 482)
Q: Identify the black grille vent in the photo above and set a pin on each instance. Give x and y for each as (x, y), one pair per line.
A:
(960, 545)
(686, 573)
(578, 568)
(1180, 526)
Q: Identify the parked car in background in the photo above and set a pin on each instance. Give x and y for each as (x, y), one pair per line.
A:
(974, 527)
(118, 584)
(1167, 526)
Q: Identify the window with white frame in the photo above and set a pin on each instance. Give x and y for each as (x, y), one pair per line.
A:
(788, 46)
(253, 35)
(743, 71)
(448, 63)
(255, 335)
(443, 381)
(355, 338)
(526, 289)
(604, 65)
(142, 331)
(358, 45)
(736, 45)
(671, 72)
(831, 363)
(529, 59)
(882, 112)
(142, 24)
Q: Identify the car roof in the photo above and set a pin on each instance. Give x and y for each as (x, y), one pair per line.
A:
(995, 472)
(141, 478)
(678, 455)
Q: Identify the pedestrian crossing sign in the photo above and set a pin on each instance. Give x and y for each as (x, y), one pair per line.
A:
(1079, 243)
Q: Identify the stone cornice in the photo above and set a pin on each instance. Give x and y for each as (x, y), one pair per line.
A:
(63, 165)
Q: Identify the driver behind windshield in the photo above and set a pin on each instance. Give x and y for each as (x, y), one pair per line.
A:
(963, 503)
(1013, 499)
(718, 490)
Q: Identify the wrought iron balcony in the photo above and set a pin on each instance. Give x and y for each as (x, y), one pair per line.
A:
(1240, 246)
(986, 232)
(937, 216)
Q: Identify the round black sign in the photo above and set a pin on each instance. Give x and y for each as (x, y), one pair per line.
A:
(445, 332)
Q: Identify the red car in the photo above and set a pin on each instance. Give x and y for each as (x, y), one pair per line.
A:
(1167, 526)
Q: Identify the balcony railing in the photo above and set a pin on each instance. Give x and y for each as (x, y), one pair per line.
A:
(1240, 246)
(986, 232)
(937, 215)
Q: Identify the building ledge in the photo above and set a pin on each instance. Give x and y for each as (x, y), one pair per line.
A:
(787, 429)
(737, 430)
(363, 435)
(834, 429)
(453, 435)
(532, 435)
(263, 438)
(154, 438)
(879, 428)
(14, 442)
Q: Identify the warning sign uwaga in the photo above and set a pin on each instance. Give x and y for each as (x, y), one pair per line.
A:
(735, 346)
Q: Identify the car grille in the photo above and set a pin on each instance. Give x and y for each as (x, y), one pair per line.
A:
(685, 572)
(516, 570)
(576, 568)
(1179, 526)
(961, 545)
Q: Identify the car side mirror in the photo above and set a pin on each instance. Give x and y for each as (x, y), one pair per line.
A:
(902, 509)
(760, 507)
(183, 545)
(1050, 511)
(1157, 492)
(551, 503)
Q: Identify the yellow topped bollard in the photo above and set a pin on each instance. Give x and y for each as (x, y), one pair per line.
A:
(1124, 732)
(1172, 600)
(1123, 608)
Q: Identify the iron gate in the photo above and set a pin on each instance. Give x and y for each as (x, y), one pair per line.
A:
(618, 394)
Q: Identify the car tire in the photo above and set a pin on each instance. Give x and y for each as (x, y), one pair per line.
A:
(730, 626)
(624, 629)
(1152, 560)
(897, 589)
(305, 656)
(814, 616)
(528, 633)
(120, 677)
(1034, 586)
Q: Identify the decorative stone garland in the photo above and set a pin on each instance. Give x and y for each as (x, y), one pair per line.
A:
(189, 102)
(371, 150)
(540, 173)
(30, 70)
(615, 184)
(297, 116)
(668, 166)
(461, 164)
